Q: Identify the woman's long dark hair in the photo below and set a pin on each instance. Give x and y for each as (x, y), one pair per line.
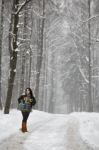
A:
(31, 93)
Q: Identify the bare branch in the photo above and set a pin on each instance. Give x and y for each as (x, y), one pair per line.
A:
(54, 4)
(23, 39)
(83, 75)
(21, 7)
(38, 14)
(91, 18)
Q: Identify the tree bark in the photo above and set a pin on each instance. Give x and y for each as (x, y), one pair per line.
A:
(13, 54)
(40, 52)
(90, 105)
(1, 33)
(23, 56)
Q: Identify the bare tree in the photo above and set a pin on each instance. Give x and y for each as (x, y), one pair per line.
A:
(13, 49)
(1, 32)
(40, 48)
(90, 109)
(23, 58)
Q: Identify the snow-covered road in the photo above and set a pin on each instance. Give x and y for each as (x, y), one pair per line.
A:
(46, 132)
(74, 140)
(14, 142)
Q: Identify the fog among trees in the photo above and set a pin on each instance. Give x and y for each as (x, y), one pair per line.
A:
(51, 46)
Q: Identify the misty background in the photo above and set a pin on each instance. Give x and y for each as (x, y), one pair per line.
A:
(51, 46)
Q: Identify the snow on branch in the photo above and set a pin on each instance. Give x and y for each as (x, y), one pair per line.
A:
(28, 28)
(38, 14)
(95, 76)
(23, 39)
(97, 40)
(83, 75)
(54, 4)
(23, 4)
(87, 81)
(21, 7)
(93, 17)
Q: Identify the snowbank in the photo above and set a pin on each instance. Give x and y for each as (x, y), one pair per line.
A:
(9, 123)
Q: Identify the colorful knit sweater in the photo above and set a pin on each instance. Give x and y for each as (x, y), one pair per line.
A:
(25, 103)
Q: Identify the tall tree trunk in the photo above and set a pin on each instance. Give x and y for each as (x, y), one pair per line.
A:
(22, 73)
(23, 56)
(30, 61)
(12, 48)
(1, 33)
(40, 52)
(30, 54)
(90, 105)
(13, 53)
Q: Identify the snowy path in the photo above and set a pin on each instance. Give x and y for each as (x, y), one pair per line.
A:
(74, 141)
(17, 141)
(47, 132)
(14, 142)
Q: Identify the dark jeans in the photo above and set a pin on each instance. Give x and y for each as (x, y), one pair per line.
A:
(25, 116)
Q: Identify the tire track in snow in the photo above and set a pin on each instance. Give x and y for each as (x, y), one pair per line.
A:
(17, 140)
(74, 141)
(50, 136)
(14, 142)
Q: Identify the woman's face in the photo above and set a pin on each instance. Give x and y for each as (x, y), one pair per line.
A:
(27, 91)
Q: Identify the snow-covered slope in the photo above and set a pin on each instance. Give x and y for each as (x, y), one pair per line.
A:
(76, 131)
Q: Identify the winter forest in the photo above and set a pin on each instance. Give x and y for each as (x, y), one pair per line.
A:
(51, 46)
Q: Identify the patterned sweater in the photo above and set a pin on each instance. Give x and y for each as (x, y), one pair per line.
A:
(25, 103)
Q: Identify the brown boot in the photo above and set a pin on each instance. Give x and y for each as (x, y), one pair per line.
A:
(26, 127)
(23, 127)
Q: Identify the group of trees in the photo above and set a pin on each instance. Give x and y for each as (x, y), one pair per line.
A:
(52, 47)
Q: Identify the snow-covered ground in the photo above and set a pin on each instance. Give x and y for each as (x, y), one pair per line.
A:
(76, 131)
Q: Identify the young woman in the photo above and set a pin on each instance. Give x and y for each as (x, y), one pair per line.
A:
(25, 103)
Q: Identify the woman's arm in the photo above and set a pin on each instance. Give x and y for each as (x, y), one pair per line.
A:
(33, 101)
(20, 98)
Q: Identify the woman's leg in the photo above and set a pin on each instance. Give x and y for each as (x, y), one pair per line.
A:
(25, 116)
(24, 121)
